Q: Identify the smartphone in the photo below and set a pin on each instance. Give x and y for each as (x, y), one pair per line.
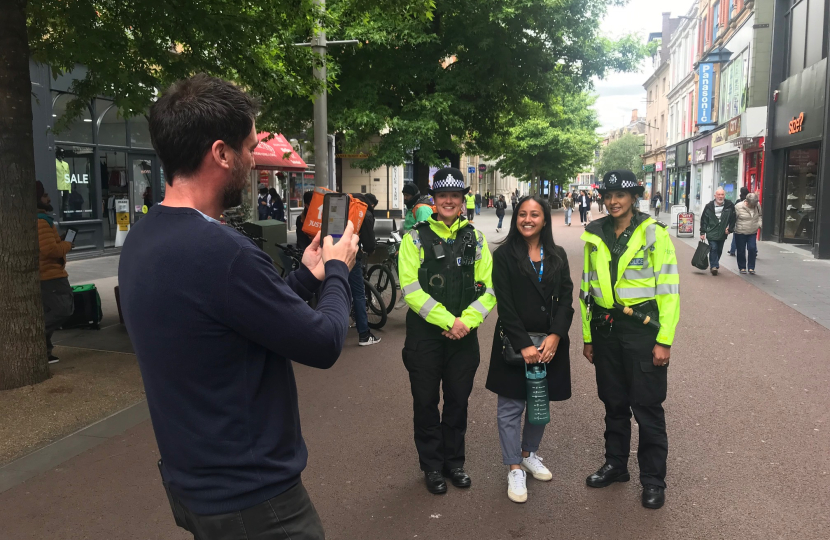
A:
(70, 235)
(335, 215)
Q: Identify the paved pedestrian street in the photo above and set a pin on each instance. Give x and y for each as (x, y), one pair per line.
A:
(747, 416)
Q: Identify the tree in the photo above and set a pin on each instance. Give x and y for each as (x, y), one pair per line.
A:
(130, 49)
(551, 141)
(456, 83)
(624, 153)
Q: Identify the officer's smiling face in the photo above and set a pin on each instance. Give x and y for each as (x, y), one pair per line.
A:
(448, 204)
(530, 219)
(618, 203)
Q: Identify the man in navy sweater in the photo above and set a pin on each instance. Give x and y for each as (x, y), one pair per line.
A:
(215, 328)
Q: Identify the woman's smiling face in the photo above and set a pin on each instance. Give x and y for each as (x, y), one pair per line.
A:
(530, 219)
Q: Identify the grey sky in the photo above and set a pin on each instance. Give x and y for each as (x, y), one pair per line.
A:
(620, 93)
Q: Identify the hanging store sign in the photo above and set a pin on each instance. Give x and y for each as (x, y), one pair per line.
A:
(733, 128)
(796, 123)
(701, 154)
(719, 137)
(671, 157)
(658, 166)
(704, 94)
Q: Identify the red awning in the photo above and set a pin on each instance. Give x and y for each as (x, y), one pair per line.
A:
(277, 154)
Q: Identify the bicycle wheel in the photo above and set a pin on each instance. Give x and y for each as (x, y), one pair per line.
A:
(375, 308)
(383, 280)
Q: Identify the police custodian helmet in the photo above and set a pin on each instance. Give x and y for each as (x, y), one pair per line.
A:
(621, 181)
(448, 179)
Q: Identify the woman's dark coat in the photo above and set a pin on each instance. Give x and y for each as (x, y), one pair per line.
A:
(524, 305)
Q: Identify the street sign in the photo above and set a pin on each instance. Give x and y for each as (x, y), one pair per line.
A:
(482, 167)
(471, 169)
(685, 225)
(675, 210)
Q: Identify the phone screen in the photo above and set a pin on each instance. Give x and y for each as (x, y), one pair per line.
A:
(70, 235)
(335, 215)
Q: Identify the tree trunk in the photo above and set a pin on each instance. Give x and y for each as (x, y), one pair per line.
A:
(23, 354)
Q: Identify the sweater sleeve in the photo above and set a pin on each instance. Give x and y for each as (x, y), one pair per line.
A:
(264, 308)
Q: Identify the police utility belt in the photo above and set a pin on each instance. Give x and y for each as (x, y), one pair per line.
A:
(448, 271)
(646, 313)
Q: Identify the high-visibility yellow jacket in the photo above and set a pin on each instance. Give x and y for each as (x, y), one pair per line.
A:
(471, 200)
(411, 256)
(646, 271)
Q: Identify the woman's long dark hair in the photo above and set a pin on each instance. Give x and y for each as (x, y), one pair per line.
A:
(518, 245)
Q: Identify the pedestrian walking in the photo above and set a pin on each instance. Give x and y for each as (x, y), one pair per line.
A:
(214, 329)
(514, 199)
(368, 242)
(501, 206)
(584, 203)
(445, 272)
(276, 208)
(471, 205)
(716, 223)
(744, 192)
(657, 202)
(747, 223)
(568, 203)
(478, 203)
(55, 291)
(262, 204)
(600, 206)
(630, 277)
(534, 290)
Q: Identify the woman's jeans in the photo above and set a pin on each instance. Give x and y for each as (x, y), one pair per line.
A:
(361, 318)
(746, 243)
(568, 212)
(501, 218)
(509, 416)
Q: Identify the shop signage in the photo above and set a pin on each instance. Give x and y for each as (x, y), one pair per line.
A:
(671, 157)
(361, 155)
(122, 214)
(701, 153)
(796, 123)
(685, 224)
(482, 167)
(718, 137)
(658, 166)
(649, 167)
(471, 169)
(704, 94)
(733, 128)
(396, 189)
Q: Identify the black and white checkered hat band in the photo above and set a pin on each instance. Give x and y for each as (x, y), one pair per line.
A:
(448, 182)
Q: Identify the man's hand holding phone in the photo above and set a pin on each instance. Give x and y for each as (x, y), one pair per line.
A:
(344, 250)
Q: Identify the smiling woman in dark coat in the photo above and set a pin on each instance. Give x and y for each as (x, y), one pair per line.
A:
(528, 304)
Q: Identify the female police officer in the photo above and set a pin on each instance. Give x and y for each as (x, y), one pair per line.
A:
(630, 308)
(445, 272)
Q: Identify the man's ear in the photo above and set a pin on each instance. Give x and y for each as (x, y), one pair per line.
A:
(220, 152)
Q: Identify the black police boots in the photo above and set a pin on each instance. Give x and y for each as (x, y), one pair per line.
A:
(653, 497)
(458, 477)
(435, 482)
(607, 475)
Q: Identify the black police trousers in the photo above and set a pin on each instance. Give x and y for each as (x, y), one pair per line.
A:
(628, 381)
(433, 362)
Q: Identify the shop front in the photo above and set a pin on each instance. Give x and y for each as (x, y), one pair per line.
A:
(100, 165)
(726, 164)
(702, 191)
(280, 167)
(678, 185)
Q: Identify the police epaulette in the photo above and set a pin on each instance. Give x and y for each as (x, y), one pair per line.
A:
(657, 221)
(420, 224)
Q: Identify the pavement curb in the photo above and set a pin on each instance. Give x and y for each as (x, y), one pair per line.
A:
(62, 450)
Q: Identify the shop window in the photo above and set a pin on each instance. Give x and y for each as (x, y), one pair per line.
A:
(800, 202)
(715, 16)
(140, 132)
(80, 129)
(815, 33)
(726, 176)
(112, 127)
(76, 199)
(798, 34)
(729, 13)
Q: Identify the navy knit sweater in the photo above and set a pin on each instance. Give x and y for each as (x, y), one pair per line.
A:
(214, 326)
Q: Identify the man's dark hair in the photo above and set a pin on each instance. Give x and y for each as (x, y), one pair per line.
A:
(193, 114)
(307, 197)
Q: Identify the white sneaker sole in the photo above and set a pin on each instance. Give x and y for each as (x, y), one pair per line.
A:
(543, 477)
(516, 498)
(368, 343)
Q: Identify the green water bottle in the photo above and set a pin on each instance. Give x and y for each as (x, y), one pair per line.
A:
(538, 404)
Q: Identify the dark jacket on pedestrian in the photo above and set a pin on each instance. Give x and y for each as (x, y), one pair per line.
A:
(657, 198)
(500, 207)
(714, 228)
(478, 199)
(525, 305)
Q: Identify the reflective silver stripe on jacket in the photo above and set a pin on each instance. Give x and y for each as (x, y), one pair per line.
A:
(651, 239)
(427, 307)
(666, 288)
(479, 242)
(583, 295)
(480, 308)
(645, 273)
(635, 292)
(596, 292)
(668, 269)
(490, 291)
(411, 288)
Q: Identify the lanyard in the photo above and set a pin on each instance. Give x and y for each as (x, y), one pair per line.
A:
(541, 262)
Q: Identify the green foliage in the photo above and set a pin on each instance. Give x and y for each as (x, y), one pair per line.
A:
(624, 153)
(554, 141)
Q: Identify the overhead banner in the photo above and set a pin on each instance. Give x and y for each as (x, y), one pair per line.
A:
(704, 94)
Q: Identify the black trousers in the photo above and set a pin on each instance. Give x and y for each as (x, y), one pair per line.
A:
(471, 212)
(433, 362)
(628, 381)
(583, 214)
(288, 516)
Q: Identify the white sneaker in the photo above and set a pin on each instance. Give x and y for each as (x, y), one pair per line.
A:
(533, 465)
(516, 486)
(790, 218)
(806, 207)
(810, 198)
(791, 207)
(792, 197)
(371, 339)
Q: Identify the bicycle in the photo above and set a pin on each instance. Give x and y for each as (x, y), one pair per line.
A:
(382, 276)
(375, 307)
